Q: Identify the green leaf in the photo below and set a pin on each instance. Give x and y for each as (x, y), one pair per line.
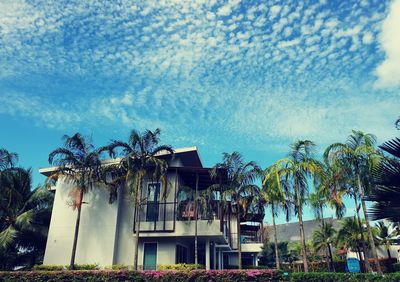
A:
(7, 236)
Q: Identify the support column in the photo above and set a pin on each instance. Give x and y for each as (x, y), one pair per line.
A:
(214, 256)
(208, 254)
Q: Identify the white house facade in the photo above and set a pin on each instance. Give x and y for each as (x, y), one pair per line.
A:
(167, 224)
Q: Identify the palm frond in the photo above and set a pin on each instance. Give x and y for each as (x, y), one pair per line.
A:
(7, 236)
(392, 147)
(25, 219)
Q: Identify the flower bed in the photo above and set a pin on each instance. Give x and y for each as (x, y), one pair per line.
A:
(144, 276)
(343, 277)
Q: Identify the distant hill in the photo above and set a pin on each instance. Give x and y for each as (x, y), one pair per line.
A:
(289, 232)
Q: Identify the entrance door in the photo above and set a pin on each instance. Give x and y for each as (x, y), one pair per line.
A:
(150, 256)
(153, 195)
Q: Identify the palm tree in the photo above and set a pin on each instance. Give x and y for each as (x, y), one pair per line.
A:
(359, 155)
(349, 236)
(79, 163)
(24, 220)
(318, 201)
(277, 199)
(295, 172)
(7, 159)
(386, 236)
(387, 177)
(331, 188)
(322, 240)
(237, 188)
(140, 161)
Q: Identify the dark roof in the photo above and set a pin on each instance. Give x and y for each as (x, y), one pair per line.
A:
(188, 175)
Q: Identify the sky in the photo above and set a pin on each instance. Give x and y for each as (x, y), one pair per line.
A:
(247, 76)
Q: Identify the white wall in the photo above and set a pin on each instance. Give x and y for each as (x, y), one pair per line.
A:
(165, 250)
(96, 232)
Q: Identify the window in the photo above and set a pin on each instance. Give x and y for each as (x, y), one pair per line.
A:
(181, 254)
(153, 196)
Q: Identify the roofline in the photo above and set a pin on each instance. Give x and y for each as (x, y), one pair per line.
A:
(45, 170)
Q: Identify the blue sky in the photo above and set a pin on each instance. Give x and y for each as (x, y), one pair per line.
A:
(251, 76)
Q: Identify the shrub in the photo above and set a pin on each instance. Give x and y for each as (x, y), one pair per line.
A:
(144, 276)
(42, 267)
(93, 266)
(117, 267)
(181, 266)
(342, 277)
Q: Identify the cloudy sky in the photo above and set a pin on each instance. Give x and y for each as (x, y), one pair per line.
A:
(251, 76)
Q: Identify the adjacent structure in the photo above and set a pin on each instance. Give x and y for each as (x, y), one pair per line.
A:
(167, 223)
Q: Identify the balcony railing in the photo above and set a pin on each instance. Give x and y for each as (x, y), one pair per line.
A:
(246, 237)
(161, 216)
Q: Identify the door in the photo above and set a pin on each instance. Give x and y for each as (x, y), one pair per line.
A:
(153, 195)
(150, 256)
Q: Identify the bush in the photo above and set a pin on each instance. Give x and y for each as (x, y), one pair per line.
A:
(181, 266)
(342, 277)
(93, 266)
(144, 276)
(387, 265)
(117, 267)
(49, 267)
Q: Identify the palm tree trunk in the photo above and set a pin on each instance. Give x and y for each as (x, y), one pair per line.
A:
(275, 238)
(360, 257)
(331, 258)
(137, 223)
(239, 241)
(370, 236)
(196, 255)
(77, 223)
(301, 227)
(388, 253)
(364, 247)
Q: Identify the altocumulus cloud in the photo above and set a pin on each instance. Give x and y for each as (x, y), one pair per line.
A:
(269, 71)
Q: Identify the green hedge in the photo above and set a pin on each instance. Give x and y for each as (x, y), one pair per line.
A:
(180, 266)
(144, 276)
(88, 266)
(342, 277)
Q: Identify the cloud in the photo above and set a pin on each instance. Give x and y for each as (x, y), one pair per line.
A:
(198, 69)
(388, 71)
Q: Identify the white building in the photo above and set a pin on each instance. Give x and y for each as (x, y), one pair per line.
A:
(167, 226)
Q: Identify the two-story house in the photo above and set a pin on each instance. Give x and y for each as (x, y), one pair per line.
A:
(167, 223)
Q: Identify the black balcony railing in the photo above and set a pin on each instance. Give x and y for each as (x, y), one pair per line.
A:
(157, 216)
(161, 216)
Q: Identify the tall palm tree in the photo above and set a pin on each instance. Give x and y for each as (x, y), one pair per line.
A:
(360, 155)
(24, 220)
(387, 235)
(79, 163)
(322, 240)
(140, 161)
(295, 172)
(238, 187)
(275, 197)
(386, 195)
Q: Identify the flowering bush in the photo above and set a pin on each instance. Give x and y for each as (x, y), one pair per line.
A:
(143, 276)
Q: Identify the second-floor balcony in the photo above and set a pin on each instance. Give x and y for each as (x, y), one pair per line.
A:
(163, 216)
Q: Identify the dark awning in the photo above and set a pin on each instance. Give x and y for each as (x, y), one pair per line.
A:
(189, 174)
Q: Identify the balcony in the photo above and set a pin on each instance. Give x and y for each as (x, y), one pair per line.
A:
(163, 216)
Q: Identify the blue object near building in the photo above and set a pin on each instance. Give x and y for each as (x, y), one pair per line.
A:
(353, 265)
